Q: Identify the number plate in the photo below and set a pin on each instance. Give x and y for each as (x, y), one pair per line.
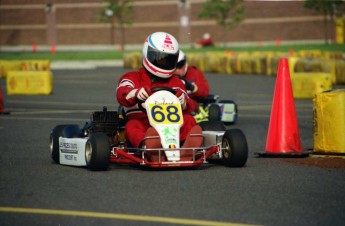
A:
(166, 113)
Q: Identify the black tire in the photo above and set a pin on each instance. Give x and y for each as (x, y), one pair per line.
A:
(72, 131)
(97, 152)
(236, 110)
(212, 126)
(54, 142)
(214, 112)
(234, 148)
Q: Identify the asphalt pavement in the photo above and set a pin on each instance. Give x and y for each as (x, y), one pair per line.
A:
(267, 191)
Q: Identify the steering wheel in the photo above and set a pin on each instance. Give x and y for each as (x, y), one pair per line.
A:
(153, 90)
(165, 88)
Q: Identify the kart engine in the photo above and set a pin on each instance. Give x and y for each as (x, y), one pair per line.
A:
(104, 121)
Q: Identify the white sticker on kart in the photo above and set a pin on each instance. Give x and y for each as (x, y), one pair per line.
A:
(165, 115)
(228, 112)
(72, 151)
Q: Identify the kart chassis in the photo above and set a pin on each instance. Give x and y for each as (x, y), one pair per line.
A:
(101, 141)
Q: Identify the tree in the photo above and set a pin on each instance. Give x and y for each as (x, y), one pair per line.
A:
(118, 12)
(328, 8)
(227, 13)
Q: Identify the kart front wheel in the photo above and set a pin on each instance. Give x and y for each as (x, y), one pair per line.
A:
(97, 152)
(57, 132)
(234, 148)
(72, 131)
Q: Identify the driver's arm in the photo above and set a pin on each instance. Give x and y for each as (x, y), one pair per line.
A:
(128, 92)
(189, 104)
(200, 82)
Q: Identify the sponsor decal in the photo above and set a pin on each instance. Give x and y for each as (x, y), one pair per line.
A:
(68, 148)
(163, 101)
(71, 157)
(172, 146)
(72, 151)
(170, 140)
(168, 44)
(168, 132)
(170, 135)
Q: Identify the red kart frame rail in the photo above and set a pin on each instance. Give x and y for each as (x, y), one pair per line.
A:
(198, 155)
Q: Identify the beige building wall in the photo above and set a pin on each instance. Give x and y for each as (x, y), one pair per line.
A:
(77, 22)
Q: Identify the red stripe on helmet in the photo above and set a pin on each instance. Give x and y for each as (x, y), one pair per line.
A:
(154, 69)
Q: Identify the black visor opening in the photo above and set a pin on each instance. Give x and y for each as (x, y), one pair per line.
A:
(162, 60)
(181, 64)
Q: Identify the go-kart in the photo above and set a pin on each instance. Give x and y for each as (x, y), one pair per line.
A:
(101, 141)
(213, 109)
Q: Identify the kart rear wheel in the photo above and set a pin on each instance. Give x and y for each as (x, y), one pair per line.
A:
(97, 152)
(214, 112)
(212, 126)
(54, 141)
(234, 148)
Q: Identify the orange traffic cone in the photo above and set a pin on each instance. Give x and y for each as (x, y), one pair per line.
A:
(34, 47)
(52, 49)
(283, 137)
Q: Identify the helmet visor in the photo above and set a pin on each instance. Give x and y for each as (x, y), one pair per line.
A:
(181, 64)
(162, 60)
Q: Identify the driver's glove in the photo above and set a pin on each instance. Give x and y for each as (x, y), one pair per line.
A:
(189, 86)
(194, 88)
(140, 94)
(182, 98)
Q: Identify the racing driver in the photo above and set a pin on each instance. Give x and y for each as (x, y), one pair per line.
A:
(160, 54)
(194, 80)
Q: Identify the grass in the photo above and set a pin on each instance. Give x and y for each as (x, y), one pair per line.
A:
(65, 55)
(281, 48)
(111, 55)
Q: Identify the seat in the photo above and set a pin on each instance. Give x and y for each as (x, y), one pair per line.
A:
(193, 140)
(152, 141)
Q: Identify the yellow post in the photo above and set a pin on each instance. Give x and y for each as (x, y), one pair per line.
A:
(339, 30)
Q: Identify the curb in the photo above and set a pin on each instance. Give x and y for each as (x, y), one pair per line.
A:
(87, 64)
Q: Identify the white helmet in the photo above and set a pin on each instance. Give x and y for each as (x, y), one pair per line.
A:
(160, 54)
(181, 59)
(182, 65)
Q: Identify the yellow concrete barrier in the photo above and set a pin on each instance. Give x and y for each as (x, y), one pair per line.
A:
(306, 85)
(339, 71)
(9, 65)
(235, 64)
(197, 60)
(132, 60)
(339, 30)
(35, 65)
(259, 63)
(29, 82)
(269, 56)
(245, 63)
(273, 65)
(329, 122)
(23, 65)
(266, 63)
(212, 62)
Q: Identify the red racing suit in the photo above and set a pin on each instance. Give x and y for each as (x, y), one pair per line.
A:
(196, 76)
(137, 120)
